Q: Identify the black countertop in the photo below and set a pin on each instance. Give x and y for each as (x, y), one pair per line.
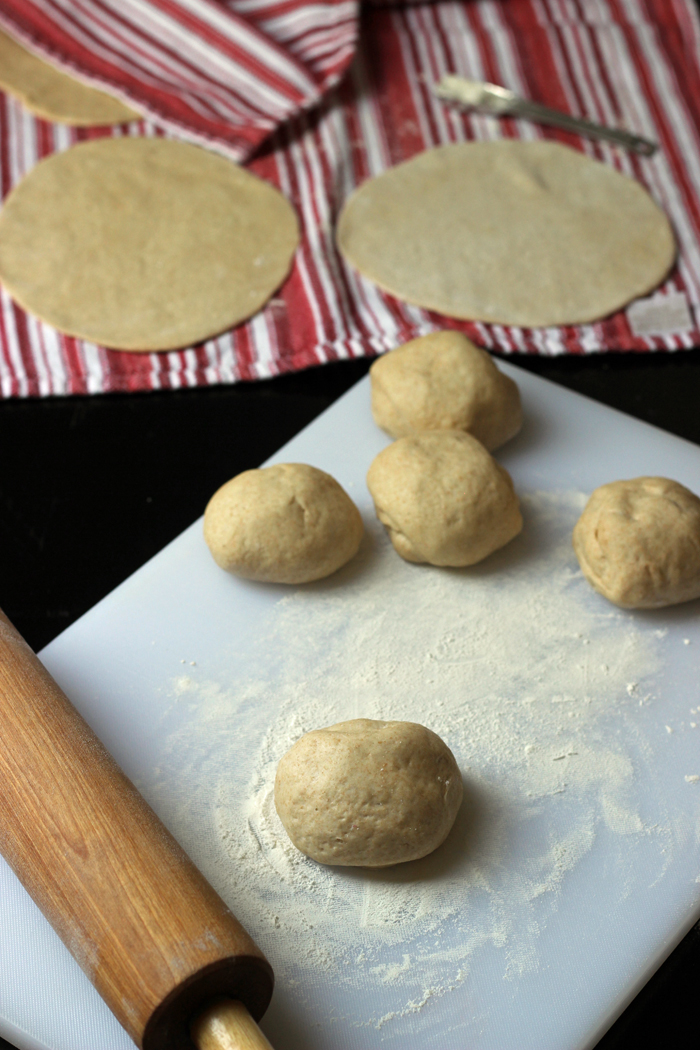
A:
(90, 488)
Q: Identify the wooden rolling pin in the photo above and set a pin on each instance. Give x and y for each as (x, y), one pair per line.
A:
(160, 946)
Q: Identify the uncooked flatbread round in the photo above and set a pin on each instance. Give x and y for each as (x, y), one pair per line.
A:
(521, 233)
(368, 793)
(442, 381)
(638, 542)
(54, 95)
(443, 499)
(144, 243)
(289, 523)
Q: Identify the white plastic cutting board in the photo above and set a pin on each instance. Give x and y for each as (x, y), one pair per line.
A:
(597, 943)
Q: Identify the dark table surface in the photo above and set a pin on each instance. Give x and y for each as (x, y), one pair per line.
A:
(90, 488)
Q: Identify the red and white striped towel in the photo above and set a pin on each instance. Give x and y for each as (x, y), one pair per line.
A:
(630, 62)
(224, 73)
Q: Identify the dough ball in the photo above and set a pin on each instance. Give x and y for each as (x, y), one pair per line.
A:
(638, 543)
(443, 498)
(443, 381)
(289, 523)
(368, 793)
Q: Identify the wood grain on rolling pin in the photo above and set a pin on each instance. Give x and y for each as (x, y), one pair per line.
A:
(151, 934)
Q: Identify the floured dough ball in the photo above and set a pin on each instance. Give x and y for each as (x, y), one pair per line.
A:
(638, 543)
(289, 523)
(368, 793)
(443, 381)
(443, 498)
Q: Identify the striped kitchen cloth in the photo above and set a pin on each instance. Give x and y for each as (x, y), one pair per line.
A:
(635, 63)
(224, 74)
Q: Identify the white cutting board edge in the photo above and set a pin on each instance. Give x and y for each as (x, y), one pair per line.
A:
(568, 442)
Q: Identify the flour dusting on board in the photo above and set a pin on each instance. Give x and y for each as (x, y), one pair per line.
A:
(516, 664)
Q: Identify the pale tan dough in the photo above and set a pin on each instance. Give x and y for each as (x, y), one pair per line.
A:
(368, 793)
(144, 243)
(289, 523)
(521, 233)
(443, 381)
(443, 498)
(52, 94)
(638, 542)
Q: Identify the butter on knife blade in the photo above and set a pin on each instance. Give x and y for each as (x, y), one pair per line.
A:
(499, 101)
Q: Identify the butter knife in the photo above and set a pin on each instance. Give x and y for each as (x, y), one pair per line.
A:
(499, 101)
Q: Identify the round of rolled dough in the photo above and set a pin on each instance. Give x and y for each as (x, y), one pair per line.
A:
(52, 94)
(144, 243)
(443, 498)
(368, 793)
(520, 233)
(442, 381)
(638, 542)
(289, 523)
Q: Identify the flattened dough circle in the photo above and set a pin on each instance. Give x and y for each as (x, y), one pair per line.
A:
(144, 243)
(55, 95)
(521, 233)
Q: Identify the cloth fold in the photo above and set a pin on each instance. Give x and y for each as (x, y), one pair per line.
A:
(223, 73)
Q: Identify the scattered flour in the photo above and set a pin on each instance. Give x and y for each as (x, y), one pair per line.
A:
(515, 663)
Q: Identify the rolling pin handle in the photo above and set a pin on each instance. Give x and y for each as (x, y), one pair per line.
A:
(227, 1025)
